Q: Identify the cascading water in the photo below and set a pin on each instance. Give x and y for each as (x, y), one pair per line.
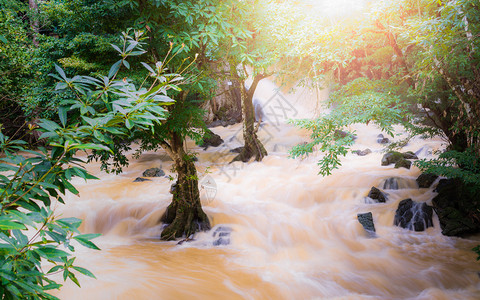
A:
(287, 233)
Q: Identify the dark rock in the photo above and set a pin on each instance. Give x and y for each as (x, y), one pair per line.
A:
(223, 234)
(366, 219)
(237, 150)
(187, 240)
(457, 208)
(211, 139)
(362, 152)
(153, 172)
(222, 229)
(403, 163)
(221, 242)
(223, 123)
(380, 136)
(391, 158)
(140, 179)
(383, 141)
(173, 187)
(413, 215)
(425, 180)
(391, 184)
(409, 155)
(377, 195)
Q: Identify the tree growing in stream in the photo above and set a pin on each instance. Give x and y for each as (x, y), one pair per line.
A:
(95, 113)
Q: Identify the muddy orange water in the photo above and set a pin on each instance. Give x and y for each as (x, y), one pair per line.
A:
(295, 234)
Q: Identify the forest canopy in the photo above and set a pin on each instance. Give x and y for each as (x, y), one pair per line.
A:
(100, 75)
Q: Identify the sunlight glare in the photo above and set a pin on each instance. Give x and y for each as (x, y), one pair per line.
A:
(337, 8)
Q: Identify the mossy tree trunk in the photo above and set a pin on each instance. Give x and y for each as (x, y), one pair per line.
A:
(252, 147)
(184, 215)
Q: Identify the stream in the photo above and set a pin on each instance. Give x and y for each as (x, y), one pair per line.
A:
(287, 232)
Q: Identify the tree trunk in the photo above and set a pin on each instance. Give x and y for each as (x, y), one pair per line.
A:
(184, 215)
(253, 147)
(34, 19)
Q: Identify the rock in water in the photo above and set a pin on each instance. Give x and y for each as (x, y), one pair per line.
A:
(383, 141)
(153, 172)
(222, 236)
(413, 216)
(403, 163)
(366, 219)
(237, 150)
(456, 208)
(409, 155)
(211, 139)
(140, 179)
(394, 157)
(425, 180)
(362, 152)
(377, 195)
(391, 158)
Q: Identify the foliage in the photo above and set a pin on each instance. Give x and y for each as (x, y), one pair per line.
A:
(409, 51)
(352, 109)
(100, 110)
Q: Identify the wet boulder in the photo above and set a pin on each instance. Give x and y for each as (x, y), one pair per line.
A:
(376, 195)
(153, 172)
(237, 150)
(366, 219)
(409, 155)
(362, 152)
(413, 215)
(211, 139)
(394, 157)
(403, 163)
(391, 158)
(382, 140)
(223, 123)
(425, 180)
(140, 179)
(457, 208)
(221, 236)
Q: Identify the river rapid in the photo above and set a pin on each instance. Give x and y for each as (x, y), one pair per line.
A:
(292, 233)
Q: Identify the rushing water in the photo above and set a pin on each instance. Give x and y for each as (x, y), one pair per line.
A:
(295, 235)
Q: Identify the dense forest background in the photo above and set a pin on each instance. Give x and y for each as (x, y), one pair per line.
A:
(100, 75)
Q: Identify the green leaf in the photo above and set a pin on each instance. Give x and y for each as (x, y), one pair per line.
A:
(114, 69)
(92, 147)
(61, 72)
(21, 238)
(71, 223)
(55, 269)
(10, 276)
(129, 124)
(84, 272)
(51, 253)
(117, 48)
(62, 114)
(9, 225)
(73, 278)
(126, 64)
(85, 240)
(148, 67)
(56, 236)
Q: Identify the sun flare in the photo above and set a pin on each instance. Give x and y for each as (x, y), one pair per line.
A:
(336, 8)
